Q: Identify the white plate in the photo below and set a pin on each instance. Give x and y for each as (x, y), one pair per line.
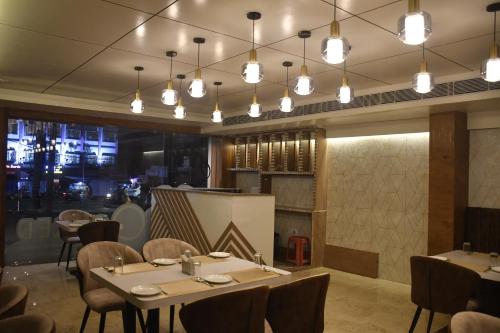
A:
(496, 269)
(439, 258)
(145, 290)
(218, 278)
(165, 261)
(219, 254)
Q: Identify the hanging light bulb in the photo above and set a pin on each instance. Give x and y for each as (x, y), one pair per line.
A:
(423, 81)
(169, 95)
(490, 68)
(304, 84)
(137, 105)
(345, 94)
(335, 48)
(286, 103)
(255, 109)
(197, 87)
(180, 110)
(252, 71)
(217, 114)
(415, 26)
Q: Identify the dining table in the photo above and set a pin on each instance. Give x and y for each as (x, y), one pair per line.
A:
(179, 288)
(70, 226)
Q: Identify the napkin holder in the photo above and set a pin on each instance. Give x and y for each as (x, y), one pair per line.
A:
(187, 265)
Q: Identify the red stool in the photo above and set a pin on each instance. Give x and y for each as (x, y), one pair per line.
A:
(299, 243)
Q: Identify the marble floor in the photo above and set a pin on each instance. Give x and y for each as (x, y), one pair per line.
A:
(354, 304)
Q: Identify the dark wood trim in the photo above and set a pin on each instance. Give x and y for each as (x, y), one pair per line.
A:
(352, 261)
(66, 115)
(319, 216)
(3, 176)
(228, 178)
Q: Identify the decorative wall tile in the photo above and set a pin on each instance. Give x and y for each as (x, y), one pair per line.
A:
(484, 170)
(293, 191)
(377, 198)
(248, 182)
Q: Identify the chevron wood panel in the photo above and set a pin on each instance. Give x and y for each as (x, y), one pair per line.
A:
(232, 240)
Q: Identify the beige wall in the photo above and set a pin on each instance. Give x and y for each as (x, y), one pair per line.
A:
(377, 198)
(484, 168)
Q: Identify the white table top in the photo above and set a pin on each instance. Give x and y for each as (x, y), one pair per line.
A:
(65, 225)
(474, 259)
(121, 284)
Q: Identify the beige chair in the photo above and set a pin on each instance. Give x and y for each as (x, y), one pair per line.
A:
(98, 298)
(70, 238)
(167, 248)
(474, 322)
(32, 323)
(12, 300)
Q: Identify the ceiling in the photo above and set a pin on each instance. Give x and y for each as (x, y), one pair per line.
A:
(88, 49)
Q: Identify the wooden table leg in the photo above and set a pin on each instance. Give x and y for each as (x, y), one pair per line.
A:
(153, 325)
(129, 320)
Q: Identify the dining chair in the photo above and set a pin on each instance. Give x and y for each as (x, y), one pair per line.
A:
(298, 306)
(32, 323)
(441, 286)
(98, 298)
(474, 322)
(12, 300)
(167, 248)
(70, 238)
(99, 231)
(241, 311)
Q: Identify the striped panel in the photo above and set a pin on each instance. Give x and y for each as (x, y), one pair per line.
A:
(179, 219)
(232, 240)
(158, 225)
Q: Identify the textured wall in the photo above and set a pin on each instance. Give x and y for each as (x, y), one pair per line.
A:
(377, 198)
(248, 182)
(484, 170)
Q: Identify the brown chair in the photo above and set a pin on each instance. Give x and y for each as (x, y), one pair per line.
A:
(167, 248)
(99, 231)
(241, 311)
(440, 286)
(474, 322)
(298, 306)
(67, 237)
(98, 298)
(32, 323)
(12, 300)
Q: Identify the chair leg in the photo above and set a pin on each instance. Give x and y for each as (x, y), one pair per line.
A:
(61, 254)
(85, 318)
(415, 319)
(102, 322)
(69, 255)
(429, 324)
(141, 320)
(172, 315)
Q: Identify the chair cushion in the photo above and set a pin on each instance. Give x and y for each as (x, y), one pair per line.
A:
(103, 300)
(33, 323)
(72, 240)
(474, 322)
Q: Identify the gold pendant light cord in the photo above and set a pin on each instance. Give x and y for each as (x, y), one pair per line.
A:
(198, 63)
(495, 27)
(253, 34)
(335, 11)
(171, 67)
(138, 72)
(304, 60)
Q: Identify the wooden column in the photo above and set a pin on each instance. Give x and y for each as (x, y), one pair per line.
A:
(318, 217)
(3, 177)
(448, 180)
(221, 159)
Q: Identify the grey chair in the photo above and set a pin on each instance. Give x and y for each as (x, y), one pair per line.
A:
(32, 323)
(474, 322)
(12, 300)
(98, 298)
(167, 248)
(70, 238)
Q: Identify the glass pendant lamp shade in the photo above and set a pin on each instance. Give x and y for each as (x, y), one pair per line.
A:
(286, 103)
(255, 109)
(137, 105)
(335, 48)
(345, 94)
(180, 110)
(423, 81)
(490, 68)
(217, 114)
(414, 27)
(252, 71)
(197, 87)
(169, 95)
(304, 84)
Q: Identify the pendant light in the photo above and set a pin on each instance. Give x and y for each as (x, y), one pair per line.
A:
(286, 103)
(137, 105)
(217, 114)
(423, 81)
(415, 26)
(345, 94)
(335, 48)
(254, 109)
(180, 110)
(490, 68)
(252, 71)
(197, 88)
(304, 84)
(169, 95)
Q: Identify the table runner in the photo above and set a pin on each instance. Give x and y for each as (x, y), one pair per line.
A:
(480, 268)
(139, 267)
(208, 260)
(185, 286)
(251, 275)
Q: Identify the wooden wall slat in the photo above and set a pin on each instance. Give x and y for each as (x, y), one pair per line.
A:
(352, 261)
